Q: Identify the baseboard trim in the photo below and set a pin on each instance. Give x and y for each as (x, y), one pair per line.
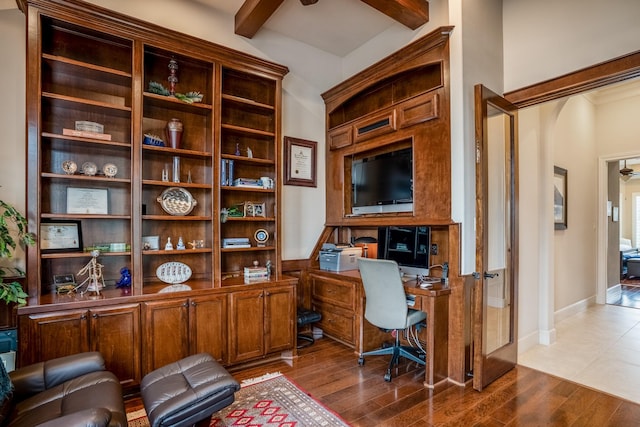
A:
(614, 293)
(574, 309)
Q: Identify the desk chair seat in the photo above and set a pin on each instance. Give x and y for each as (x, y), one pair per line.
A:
(386, 308)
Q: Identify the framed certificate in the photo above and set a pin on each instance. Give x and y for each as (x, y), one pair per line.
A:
(87, 201)
(300, 162)
(60, 236)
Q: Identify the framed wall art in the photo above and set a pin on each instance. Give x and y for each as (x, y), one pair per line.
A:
(300, 162)
(560, 198)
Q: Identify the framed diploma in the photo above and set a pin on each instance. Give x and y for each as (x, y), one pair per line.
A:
(60, 236)
(87, 201)
(300, 162)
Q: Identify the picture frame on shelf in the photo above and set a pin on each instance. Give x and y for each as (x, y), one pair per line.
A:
(559, 198)
(58, 236)
(253, 209)
(93, 201)
(300, 158)
(151, 243)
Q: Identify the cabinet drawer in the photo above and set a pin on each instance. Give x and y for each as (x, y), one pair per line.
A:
(419, 110)
(341, 137)
(336, 322)
(333, 291)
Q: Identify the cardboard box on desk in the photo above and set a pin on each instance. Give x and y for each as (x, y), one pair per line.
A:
(340, 258)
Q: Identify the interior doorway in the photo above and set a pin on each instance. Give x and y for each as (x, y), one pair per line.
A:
(625, 222)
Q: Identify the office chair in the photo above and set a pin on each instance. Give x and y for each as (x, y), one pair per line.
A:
(386, 308)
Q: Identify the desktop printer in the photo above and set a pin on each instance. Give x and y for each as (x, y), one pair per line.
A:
(339, 258)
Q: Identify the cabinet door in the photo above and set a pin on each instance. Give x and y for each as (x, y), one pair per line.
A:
(246, 325)
(115, 333)
(52, 335)
(208, 326)
(278, 316)
(166, 333)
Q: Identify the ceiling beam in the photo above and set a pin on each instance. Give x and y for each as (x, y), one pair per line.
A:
(253, 14)
(410, 13)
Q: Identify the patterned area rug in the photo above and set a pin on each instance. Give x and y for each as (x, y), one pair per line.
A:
(271, 400)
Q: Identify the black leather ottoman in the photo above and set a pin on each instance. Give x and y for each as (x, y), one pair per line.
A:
(187, 391)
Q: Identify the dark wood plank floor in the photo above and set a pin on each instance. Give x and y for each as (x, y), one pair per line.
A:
(629, 296)
(329, 372)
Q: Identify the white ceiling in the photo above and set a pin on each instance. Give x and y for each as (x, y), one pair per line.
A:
(334, 26)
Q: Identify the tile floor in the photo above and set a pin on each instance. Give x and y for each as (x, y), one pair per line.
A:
(598, 348)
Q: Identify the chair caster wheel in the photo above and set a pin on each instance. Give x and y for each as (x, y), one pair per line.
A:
(387, 377)
(361, 361)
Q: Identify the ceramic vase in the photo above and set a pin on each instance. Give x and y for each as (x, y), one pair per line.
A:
(174, 133)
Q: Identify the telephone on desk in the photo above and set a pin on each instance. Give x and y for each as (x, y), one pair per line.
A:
(424, 281)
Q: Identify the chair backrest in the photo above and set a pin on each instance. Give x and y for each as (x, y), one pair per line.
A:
(386, 304)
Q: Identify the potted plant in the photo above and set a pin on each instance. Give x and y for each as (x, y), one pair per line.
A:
(12, 221)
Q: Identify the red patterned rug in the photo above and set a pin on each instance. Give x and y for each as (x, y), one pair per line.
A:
(271, 400)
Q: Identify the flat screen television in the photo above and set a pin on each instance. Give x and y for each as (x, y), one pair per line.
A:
(383, 183)
(409, 246)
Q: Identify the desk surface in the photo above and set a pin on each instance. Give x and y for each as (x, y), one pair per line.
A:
(411, 286)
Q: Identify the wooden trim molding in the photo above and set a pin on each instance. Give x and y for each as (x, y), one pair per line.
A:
(605, 73)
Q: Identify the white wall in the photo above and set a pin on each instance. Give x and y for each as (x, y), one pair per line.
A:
(574, 143)
(548, 38)
(12, 107)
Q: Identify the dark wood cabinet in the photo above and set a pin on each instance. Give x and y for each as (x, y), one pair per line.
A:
(261, 322)
(246, 325)
(112, 330)
(336, 299)
(50, 335)
(166, 332)
(115, 333)
(176, 328)
(208, 325)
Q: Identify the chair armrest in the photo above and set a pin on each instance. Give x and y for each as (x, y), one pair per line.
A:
(92, 417)
(41, 376)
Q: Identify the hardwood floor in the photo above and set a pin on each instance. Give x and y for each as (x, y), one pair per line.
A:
(629, 296)
(329, 372)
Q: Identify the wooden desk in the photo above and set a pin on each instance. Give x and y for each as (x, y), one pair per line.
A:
(339, 296)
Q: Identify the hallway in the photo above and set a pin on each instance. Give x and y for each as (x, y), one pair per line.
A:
(597, 348)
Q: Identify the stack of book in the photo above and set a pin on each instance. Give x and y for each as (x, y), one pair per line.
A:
(247, 182)
(255, 274)
(226, 172)
(86, 129)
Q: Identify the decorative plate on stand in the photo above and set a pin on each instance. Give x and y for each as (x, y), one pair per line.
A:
(174, 273)
(177, 201)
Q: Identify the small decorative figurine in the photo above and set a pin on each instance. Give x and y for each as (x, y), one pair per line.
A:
(173, 77)
(125, 278)
(169, 245)
(180, 246)
(249, 153)
(237, 149)
(93, 270)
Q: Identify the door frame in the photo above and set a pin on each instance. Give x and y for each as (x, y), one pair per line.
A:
(598, 75)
